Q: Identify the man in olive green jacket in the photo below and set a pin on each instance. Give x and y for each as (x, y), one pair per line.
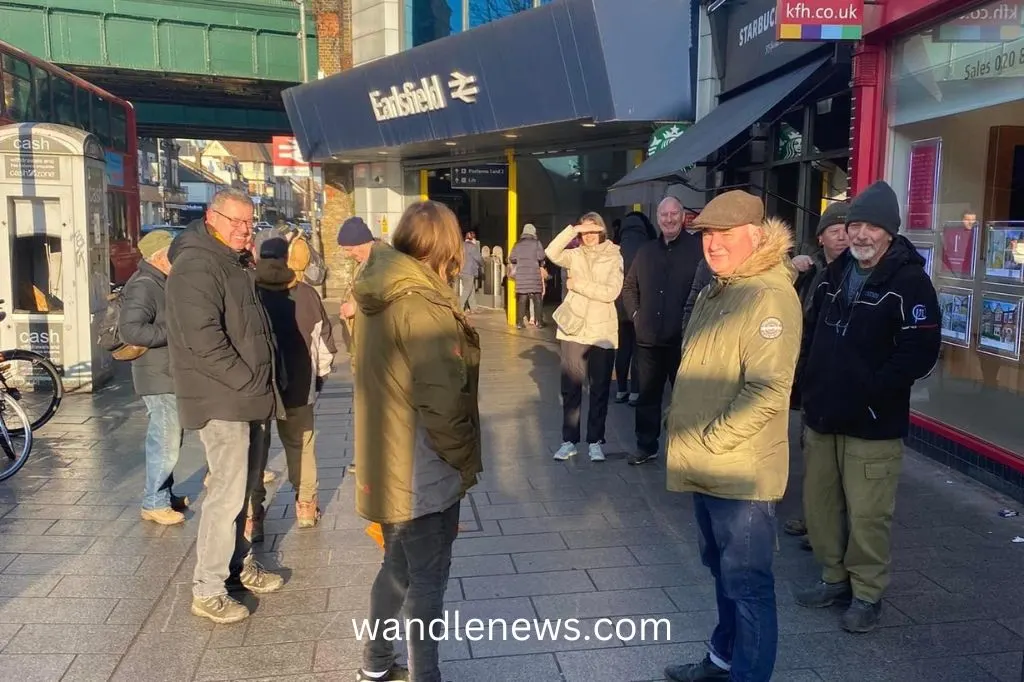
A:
(728, 426)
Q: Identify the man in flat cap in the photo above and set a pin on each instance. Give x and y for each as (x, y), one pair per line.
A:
(143, 324)
(728, 427)
(872, 331)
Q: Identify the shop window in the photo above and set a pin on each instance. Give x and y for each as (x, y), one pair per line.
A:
(117, 208)
(17, 89)
(428, 20)
(64, 110)
(485, 11)
(830, 128)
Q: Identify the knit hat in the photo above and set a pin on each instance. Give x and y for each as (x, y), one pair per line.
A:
(354, 232)
(529, 230)
(729, 210)
(154, 242)
(273, 247)
(834, 214)
(877, 205)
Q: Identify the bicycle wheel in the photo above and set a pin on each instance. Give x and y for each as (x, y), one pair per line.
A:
(15, 437)
(33, 381)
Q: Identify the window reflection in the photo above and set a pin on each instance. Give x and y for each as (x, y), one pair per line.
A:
(485, 11)
(428, 20)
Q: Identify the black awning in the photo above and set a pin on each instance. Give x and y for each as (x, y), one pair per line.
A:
(572, 60)
(723, 123)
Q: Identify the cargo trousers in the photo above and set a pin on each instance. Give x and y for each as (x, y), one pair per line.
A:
(849, 499)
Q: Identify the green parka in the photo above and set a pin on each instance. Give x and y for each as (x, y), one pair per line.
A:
(728, 423)
(417, 371)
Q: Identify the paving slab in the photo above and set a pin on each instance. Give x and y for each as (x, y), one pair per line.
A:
(90, 592)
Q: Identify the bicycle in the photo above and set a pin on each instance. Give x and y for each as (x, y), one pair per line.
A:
(16, 443)
(33, 381)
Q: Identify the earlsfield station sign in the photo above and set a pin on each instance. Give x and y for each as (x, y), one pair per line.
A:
(423, 96)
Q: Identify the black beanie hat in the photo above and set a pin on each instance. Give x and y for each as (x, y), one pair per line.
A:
(877, 205)
(834, 214)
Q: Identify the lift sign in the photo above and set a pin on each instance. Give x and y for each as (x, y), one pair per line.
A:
(34, 167)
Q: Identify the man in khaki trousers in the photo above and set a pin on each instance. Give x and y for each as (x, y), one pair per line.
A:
(873, 329)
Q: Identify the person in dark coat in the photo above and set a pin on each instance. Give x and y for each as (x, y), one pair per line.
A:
(143, 323)
(634, 231)
(527, 258)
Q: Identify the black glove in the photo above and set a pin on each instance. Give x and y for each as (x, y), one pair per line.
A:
(320, 383)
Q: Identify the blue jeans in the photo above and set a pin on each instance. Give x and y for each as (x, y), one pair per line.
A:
(163, 444)
(737, 542)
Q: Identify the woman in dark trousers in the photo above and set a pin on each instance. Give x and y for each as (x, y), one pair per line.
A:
(527, 260)
(587, 328)
(635, 231)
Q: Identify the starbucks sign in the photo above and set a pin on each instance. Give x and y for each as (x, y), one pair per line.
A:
(664, 136)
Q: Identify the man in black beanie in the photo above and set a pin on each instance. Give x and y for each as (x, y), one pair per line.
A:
(872, 331)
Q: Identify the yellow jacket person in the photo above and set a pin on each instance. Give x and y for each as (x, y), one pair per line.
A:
(729, 417)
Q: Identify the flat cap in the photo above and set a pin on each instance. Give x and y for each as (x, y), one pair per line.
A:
(730, 209)
(154, 242)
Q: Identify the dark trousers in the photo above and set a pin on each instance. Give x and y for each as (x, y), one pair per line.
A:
(523, 306)
(581, 363)
(654, 366)
(737, 543)
(414, 573)
(625, 360)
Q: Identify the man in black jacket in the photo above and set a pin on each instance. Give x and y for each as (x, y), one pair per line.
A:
(872, 331)
(222, 362)
(654, 295)
(143, 323)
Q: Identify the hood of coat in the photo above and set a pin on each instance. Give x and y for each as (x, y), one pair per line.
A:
(605, 248)
(389, 274)
(772, 252)
(274, 274)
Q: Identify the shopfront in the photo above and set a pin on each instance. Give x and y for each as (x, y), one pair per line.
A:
(526, 119)
(948, 128)
(781, 128)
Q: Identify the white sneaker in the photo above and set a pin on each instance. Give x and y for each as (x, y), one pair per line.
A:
(596, 453)
(565, 452)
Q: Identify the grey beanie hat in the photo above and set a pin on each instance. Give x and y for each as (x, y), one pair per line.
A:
(834, 214)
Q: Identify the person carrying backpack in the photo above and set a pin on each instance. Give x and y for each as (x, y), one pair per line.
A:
(142, 325)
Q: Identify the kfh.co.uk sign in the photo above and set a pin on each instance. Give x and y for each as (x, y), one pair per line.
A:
(819, 19)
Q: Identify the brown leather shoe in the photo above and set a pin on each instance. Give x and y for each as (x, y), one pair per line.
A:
(254, 525)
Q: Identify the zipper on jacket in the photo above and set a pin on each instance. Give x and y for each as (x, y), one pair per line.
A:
(873, 415)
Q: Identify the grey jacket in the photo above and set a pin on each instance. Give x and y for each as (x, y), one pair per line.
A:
(528, 256)
(143, 323)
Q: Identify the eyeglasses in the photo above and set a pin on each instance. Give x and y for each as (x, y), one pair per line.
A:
(236, 222)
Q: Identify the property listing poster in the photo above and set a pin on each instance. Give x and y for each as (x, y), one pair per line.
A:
(923, 183)
(958, 250)
(1000, 325)
(955, 305)
(926, 251)
(1000, 264)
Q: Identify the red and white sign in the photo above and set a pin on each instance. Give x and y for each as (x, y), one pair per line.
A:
(288, 161)
(958, 243)
(923, 183)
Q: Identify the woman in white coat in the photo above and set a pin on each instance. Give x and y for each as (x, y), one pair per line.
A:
(588, 328)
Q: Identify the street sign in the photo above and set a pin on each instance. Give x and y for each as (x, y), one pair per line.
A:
(288, 161)
(484, 176)
(819, 19)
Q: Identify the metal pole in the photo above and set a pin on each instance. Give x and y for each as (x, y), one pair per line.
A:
(314, 223)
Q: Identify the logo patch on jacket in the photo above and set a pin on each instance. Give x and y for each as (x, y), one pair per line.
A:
(919, 313)
(771, 328)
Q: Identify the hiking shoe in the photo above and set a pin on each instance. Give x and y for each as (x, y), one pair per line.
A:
(565, 452)
(254, 526)
(256, 579)
(179, 504)
(795, 527)
(823, 594)
(696, 672)
(596, 453)
(220, 609)
(397, 673)
(642, 458)
(862, 616)
(621, 397)
(307, 514)
(165, 516)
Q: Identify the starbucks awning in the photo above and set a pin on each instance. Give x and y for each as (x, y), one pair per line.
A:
(730, 118)
(596, 62)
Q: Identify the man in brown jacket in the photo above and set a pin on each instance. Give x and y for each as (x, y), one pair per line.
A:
(728, 427)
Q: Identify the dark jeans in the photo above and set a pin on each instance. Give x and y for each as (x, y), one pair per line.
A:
(579, 363)
(414, 573)
(523, 307)
(625, 360)
(737, 542)
(654, 366)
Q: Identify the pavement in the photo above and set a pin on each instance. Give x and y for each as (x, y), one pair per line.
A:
(90, 592)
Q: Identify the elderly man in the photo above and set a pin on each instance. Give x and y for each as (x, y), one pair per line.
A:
(356, 242)
(654, 296)
(729, 427)
(222, 362)
(143, 324)
(873, 330)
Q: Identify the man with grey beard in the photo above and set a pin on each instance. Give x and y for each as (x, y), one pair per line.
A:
(873, 329)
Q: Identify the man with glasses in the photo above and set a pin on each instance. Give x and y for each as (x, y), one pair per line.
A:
(222, 364)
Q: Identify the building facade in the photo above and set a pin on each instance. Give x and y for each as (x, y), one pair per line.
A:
(939, 114)
(160, 189)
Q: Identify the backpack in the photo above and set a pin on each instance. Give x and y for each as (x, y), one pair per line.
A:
(109, 335)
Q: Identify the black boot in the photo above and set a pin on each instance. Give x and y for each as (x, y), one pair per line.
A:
(696, 672)
(862, 616)
(823, 594)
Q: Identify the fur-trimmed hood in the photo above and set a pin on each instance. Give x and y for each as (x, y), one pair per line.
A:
(773, 251)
